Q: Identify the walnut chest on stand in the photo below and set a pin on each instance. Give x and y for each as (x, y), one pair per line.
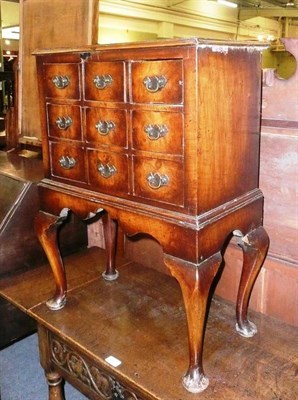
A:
(162, 138)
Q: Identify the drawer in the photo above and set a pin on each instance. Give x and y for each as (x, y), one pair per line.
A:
(64, 121)
(104, 81)
(159, 132)
(67, 161)
(106, 126)
(62, 81)
(108, 172)
(157, 82)
(159, 180)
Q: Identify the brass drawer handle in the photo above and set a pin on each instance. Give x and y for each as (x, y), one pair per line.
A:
(63, 122)
(105, 127)
(102, 81)
(155, 83)
(156, 181)
(155, 132)
(61, 81)
(67, 162)
(106, 170)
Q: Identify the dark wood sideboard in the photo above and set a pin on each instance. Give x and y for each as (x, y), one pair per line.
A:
(160, 138)
(19, 246)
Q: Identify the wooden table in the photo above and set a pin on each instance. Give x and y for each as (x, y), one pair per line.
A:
(140, 320)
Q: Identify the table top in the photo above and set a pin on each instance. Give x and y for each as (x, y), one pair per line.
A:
(140, 320)
(29, 169)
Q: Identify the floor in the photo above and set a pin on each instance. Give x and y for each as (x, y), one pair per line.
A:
(19, 364)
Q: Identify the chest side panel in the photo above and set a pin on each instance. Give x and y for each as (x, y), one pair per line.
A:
(229, 119)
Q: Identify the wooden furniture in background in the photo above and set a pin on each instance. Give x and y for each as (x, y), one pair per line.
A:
(20, 249)
(162, 138)
(47, 24)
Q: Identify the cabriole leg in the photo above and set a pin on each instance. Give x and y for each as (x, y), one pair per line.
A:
(254, 246)
(110, 237)
(195, 282)
(46, 227)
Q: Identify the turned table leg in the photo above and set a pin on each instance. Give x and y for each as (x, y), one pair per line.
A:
(195, 282)
(54, 379)
(254, 246)
(46, 226)
(55, 384)
(110, 237)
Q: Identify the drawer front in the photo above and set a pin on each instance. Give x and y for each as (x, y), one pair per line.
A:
(64, 121)
(62, 81)
(159, 180)
(157, 82)
(104, 81)
(67, 161)
(108, 172)
(159, 132)
(106, 126)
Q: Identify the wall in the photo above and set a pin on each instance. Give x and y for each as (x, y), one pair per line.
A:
(205, 19)
(191, 18)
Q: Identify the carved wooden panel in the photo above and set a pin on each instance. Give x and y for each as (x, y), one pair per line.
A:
(87, 373)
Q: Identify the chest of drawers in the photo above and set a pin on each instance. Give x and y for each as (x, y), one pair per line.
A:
(162, 138)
